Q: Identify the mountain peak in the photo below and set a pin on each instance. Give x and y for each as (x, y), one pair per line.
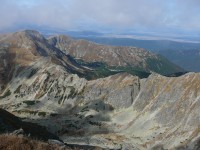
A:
(60, 39)
(31, 33)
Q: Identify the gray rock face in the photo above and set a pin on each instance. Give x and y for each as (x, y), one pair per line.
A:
(117, 90)
(113, 112)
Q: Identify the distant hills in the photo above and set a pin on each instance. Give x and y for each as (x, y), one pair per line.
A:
(87, 59)
(148, 41)
(183, 54)
(114, 57)
(187, 59)
(152, 45)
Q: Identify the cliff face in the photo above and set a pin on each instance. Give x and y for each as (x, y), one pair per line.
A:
(117, 112)
(166, 112)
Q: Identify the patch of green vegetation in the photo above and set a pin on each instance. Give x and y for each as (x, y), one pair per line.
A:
(7, 93)
(30, 103)
(33, 112)
(133, 71)
(85, 109)
(72, 93)
(101, 70)
(91, 64)
(32, 73)
(187, 59)
(94, 123)
(18, 89)
(43, 114)
(162, 66)
(60, 100)
(46, 81)
(44, 88)
(51, 90)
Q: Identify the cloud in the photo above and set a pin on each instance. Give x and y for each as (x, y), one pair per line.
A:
(122, 14)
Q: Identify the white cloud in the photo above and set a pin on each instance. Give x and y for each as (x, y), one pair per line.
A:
(66, 14)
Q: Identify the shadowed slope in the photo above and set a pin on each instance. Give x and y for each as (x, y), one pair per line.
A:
(9, 123)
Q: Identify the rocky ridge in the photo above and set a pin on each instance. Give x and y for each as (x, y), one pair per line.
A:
(117, 112)
(19, 50)
(113, 112)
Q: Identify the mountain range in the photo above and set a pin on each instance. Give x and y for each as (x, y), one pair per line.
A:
(182, 53)
(115, 56)
(85, 94)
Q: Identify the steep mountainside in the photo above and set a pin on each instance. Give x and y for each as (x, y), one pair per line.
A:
(114, 55)
(120, 111)
(21, 49)
(184, 54)
(117, 112)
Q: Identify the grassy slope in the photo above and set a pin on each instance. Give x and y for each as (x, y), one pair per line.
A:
(163, 66)
(101, 70)
(13, 142)
(189, 60)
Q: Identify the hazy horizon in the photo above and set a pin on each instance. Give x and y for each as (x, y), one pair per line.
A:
(158, 18)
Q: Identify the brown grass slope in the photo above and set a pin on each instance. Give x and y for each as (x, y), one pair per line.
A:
(122, 56)
(13, 142)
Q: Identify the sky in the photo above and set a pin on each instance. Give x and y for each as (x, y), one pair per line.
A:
(174, 16)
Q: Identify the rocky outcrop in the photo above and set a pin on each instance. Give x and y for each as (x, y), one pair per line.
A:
(118, 90)
(164, 113)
